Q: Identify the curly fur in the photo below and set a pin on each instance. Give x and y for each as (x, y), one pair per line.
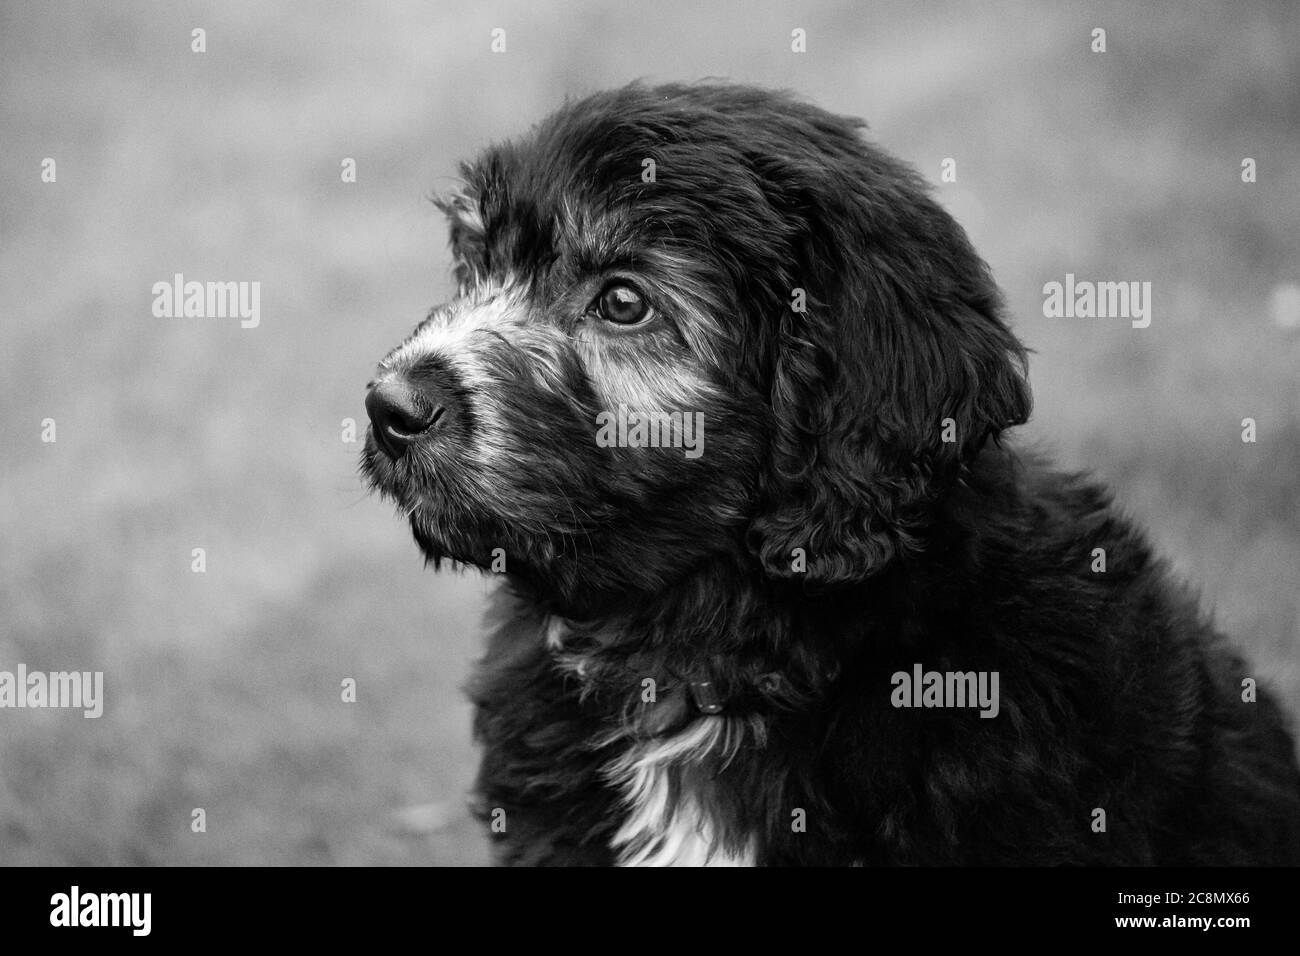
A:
(826, 440)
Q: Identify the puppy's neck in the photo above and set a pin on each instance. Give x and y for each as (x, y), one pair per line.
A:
(717, 642)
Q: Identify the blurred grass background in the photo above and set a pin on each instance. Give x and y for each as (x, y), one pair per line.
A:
(223, 689)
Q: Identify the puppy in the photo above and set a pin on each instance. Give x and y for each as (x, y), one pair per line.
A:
(720, 397)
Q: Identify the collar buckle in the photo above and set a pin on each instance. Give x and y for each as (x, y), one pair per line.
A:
(705, 697)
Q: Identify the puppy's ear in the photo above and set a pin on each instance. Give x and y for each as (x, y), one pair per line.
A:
(467, 234)
(888, 384)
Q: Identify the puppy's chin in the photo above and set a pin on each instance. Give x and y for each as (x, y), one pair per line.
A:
(448, 521)
(439, 548)
(417, 482)
(476, 540)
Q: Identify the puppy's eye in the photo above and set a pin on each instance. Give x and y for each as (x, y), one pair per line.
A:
(622, 304)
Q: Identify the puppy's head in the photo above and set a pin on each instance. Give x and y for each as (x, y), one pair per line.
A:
(691, 322)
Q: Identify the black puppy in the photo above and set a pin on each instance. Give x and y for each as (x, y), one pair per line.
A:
(720, 394)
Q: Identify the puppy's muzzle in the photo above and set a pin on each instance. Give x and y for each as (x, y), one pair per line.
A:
(403, 412)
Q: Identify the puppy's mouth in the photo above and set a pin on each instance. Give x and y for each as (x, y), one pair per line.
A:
(419, 432)
(411, 451)
(447, 516)
(473, 492)
(427, 492)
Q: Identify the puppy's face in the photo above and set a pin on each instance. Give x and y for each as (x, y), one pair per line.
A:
(589, 302)
(690, 322)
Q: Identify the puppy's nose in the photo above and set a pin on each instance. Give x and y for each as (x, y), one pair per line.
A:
(401, 414)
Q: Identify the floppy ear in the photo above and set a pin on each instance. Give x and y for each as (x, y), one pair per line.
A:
(890, 382)
(466, 234)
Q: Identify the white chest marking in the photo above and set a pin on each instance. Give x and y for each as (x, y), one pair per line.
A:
(657, 831)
